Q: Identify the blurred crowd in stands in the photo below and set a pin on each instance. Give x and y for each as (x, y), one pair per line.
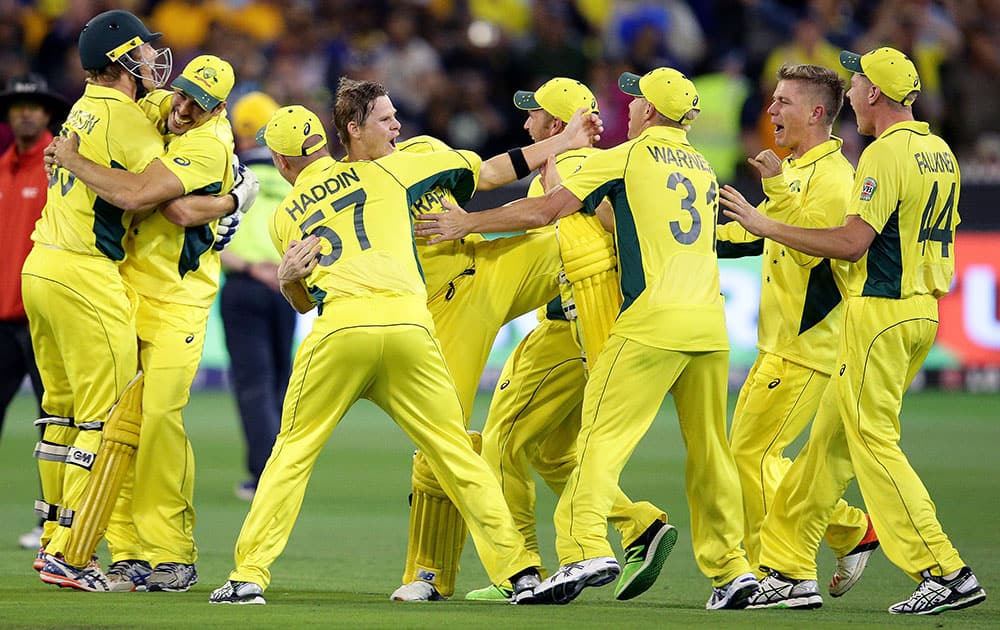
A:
(452, 66)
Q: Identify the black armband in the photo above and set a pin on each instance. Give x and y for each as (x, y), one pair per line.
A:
(520, 165)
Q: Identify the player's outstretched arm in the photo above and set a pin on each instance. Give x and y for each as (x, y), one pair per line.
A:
(191, 210)
(299, 260)
(846, 242)
(131, 192)
(523, 214)
(582, 130)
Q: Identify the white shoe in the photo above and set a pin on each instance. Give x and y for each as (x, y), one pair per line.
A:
(233, 592)
(778, 591)
(524, 587)
(734, 595)
(936, 595)
(564, 585)
(126, 576)
(418, 591)
(851, 566)
(32, 539)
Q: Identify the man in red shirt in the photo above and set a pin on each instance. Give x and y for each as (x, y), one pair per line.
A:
(30, 109)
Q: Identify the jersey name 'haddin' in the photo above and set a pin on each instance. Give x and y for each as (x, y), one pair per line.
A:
(320, 191)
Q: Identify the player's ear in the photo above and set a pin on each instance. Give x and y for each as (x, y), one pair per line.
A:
(354, 129)
(817, 114)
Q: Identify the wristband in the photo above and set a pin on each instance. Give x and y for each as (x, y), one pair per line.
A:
(520, 165)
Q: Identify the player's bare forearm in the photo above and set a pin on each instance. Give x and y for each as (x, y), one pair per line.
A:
(297, 296)
(191, 210)
(299, 260)
(131, 192)
(846, 242)
(583, 130)
(522, 214)
(113, 185)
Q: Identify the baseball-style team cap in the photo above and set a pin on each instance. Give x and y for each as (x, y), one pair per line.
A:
(889, 69)
(207, 79)
(670, 92)
(560, 97)
(293, 131)
(252, 112)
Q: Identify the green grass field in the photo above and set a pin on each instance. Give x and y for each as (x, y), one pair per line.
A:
(345, 555)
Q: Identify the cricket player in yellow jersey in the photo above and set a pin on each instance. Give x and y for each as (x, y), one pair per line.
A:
(348, 245)
(800, 309)
(670, 336)
(474, 287)
(899, 236)
(534, 415)
(174, 270)
(80, 312)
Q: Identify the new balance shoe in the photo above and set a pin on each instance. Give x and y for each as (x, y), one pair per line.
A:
(491, 593)
(524, 586)
(851, 566)
(234, 592)
(89, 578)
(936, 595)
(733, 595)
(564, 585)
(418, 591)
(778, 591)
(172, 577)
(644, 559)
(126, 576)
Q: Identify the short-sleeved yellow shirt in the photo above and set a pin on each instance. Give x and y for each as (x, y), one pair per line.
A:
(113, 132)
(665, 199)
(173, 263)
(907, 188)
(361, 213)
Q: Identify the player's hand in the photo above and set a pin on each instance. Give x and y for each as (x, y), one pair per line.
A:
(225, 229)
(583, 129)
(299, 260)
(443, 226)
(767, 163)
(736, 207)
(245, 187)
(550, 174)
(61, 151)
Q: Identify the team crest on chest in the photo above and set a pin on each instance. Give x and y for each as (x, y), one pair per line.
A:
(868, 188)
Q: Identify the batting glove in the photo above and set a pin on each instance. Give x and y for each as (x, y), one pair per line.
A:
(225, 229)
(246, 187)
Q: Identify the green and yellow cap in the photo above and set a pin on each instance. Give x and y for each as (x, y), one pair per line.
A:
(887, 68)
(207, 79)
(560, 97)
(670, 92)
(293, 131)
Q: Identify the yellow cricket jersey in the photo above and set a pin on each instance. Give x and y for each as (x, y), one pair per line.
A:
(907, 188)
(800, 303)
(113, 132)
(665, 200)
(567, 163)
(442, 262)
(361, 213)
(173, 263)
